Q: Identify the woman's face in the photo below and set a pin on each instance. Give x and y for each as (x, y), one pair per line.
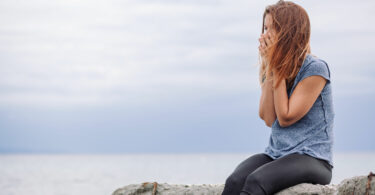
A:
(267, 38)
(268, 24)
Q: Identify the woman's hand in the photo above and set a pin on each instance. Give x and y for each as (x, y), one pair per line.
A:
(266, 106)
(262, 46)
(265, 41)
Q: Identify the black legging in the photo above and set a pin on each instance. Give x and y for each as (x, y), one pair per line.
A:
(259, 174)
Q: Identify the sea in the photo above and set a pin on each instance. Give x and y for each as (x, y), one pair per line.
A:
(77, 174)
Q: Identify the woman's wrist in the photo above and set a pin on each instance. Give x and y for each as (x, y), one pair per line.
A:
(268, 83)
(263, 78)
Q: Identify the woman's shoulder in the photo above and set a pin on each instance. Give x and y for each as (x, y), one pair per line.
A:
(314, 65)
(313, 60)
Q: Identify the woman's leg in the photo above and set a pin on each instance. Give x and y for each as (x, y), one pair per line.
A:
(285, 172)
(235, 181)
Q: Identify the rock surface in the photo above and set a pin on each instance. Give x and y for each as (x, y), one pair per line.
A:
(359, 185)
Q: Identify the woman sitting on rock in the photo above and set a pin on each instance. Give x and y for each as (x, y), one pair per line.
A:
(296, 102)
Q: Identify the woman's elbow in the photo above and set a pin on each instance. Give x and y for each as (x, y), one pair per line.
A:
(269, 121)
(285, 122)
(261, 114)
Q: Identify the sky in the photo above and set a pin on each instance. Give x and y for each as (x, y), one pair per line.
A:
(163, 76)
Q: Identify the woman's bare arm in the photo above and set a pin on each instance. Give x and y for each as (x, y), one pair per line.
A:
(291, 110)
(266, 105)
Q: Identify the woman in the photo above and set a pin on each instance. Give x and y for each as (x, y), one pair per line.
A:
(296, 102)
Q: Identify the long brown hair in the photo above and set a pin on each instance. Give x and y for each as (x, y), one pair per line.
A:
(292, 40)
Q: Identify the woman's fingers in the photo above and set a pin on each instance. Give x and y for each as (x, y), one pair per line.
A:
(261, 50)
(268, 39)
(262, 46)
(264, 39)
(262, 42)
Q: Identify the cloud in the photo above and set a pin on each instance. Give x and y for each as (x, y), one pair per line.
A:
(87, 52)
(163, 69)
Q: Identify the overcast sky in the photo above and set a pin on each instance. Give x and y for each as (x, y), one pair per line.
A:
(113, 76)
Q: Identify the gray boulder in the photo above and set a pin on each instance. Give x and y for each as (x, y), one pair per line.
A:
(359, 185)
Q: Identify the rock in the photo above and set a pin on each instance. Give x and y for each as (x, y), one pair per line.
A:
(359, 185)
(148, 188)
(309, 189)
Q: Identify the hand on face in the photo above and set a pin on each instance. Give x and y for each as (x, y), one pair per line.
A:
(265, 41)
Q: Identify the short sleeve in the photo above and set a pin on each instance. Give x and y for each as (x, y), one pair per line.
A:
(317, 68)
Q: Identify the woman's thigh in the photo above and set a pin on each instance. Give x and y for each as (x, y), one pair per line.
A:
(288, 171)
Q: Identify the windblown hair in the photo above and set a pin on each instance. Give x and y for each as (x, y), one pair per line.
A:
(292, 41)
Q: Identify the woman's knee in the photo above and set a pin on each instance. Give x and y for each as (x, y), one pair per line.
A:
(254, 184)
(233, 181)
(233, 185)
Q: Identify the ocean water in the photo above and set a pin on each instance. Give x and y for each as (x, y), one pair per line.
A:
(102, 174)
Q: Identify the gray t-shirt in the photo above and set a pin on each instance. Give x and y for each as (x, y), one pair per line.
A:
(313, 133)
